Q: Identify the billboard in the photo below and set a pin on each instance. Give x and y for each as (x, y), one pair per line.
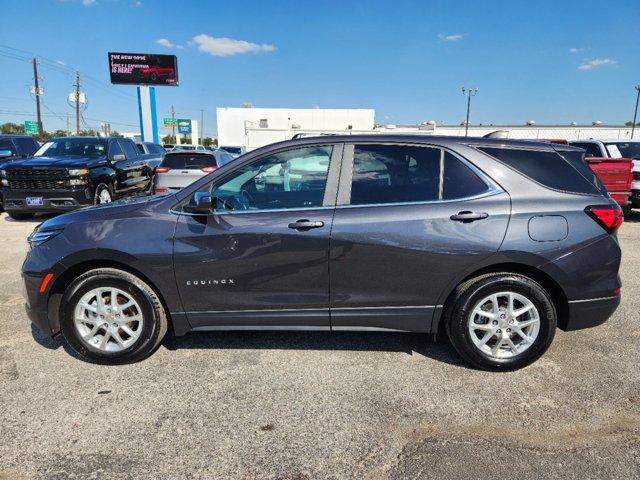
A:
(143, 69)
(184, 125)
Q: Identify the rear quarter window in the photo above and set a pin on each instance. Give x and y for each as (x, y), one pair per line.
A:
(547, 168)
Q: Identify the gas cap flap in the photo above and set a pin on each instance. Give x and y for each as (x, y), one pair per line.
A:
(548, 228)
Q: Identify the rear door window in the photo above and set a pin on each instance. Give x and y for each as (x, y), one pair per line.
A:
(130, 149)
(189, 161)
(592, 149)
(388, 174)
(547, 168)
(27, 146)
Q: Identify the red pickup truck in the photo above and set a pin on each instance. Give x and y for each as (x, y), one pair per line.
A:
(614, 173)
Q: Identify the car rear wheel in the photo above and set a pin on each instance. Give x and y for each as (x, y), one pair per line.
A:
(501, 321)
(110, 316)
(103, 194)
(20, 216)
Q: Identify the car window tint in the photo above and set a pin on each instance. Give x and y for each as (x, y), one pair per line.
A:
(27, 146)
(459, 180)
(576, 160)
(7, 145)
(545, 167)
(115, 149)
(130, 150)
(291, 179)
(395, 174)
(592, 149)
(188, 161)
(140, 148)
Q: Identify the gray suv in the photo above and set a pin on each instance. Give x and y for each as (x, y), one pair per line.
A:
(495, 242)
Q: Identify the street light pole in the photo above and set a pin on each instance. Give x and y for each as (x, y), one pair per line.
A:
(635, 113)
(469, 92)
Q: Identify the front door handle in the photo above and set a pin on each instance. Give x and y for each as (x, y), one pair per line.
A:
(467, 216)
(305, 225)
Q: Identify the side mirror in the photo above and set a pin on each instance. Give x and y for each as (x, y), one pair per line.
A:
(201, 204)
(118, 158)
(6, 153)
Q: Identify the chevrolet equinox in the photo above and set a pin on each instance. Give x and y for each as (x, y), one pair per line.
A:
(495, 242)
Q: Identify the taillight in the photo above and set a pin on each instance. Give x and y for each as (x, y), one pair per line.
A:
(209, 169)
(162, 169)
(609, 217)
(158, 191)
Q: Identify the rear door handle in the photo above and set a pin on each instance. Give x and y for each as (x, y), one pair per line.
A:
(305, 225)
(467, 216)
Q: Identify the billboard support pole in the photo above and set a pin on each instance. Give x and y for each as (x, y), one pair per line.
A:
(147, 114)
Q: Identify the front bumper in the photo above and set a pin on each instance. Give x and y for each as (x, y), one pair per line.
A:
(590, 313)
(36, 305)
(52, 200)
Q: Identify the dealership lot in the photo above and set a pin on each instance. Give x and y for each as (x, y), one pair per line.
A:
(318, 405)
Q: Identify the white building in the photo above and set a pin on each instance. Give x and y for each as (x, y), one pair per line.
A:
(255, 127)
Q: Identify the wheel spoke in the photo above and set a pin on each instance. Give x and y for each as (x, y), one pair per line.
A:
(526, 323)
(484, 339)
(496, 347)
(512, 345)
(105, 340)
(495, 304)
(128, 331)
(510, 304)
(93, 332)
(522, 334)
(484, 313)
(87, 306)
(522, 310)
(118, 338)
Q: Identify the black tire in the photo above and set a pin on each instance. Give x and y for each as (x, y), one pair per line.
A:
(468, 294)
(626, 211)
(21, 216)
(154, 325)
(99, 189)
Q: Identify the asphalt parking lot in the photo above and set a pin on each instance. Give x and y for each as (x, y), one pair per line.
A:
(318, 405)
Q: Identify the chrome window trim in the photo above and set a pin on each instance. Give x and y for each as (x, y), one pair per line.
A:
(490, 193)
(245, 212)
(492, 187)
(594, 299)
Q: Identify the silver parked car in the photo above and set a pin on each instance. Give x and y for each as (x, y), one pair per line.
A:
(180, 168)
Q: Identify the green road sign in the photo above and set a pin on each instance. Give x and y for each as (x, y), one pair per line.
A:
(170, 122)
(30, 127)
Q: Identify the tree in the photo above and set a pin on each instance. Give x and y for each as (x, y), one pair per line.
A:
(630, 123)
(10, 128)
(210, 142)
(170, 139)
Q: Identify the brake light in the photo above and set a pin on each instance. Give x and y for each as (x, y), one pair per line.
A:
(162, 169)
(159, 190)
(609, 217)
(209, 169)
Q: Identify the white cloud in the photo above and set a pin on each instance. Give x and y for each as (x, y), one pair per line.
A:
(86, 3)
(450, 38)
(224, 47)
(167, 43)
(596, 62)
(576, 50)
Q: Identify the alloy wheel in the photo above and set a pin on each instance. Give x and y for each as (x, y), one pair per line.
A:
(504, 324)
(108, 319)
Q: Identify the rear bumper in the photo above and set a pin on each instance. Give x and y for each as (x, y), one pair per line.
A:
(52, 201)
(590, 313)
(622, 198)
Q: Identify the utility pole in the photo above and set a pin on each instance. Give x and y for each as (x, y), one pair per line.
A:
(68, 132)
(173, 124)
(635, 113)
(469, 92)
(201, 125)
(37, 92)
(77, 85)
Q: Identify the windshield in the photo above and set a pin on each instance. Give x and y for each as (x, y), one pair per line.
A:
(628, 149)
(234, 150)
(83, 147)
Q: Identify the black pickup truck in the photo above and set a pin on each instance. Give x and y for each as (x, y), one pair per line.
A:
(16, 147)
(72, 172)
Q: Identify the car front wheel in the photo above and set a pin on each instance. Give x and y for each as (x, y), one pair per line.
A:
(501, 321)
(110, 316)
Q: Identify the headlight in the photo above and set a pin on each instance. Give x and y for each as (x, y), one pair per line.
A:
(78, 172)
(38, 237)
(3, 173)
(77, 181)
(4, 182)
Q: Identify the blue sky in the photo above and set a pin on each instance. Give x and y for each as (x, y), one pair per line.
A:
(553, 62)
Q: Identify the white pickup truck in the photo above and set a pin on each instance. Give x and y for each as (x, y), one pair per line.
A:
(615, 149)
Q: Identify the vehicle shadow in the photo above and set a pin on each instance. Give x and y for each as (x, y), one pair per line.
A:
(633, 216)
(409, 343)
(37, 219)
